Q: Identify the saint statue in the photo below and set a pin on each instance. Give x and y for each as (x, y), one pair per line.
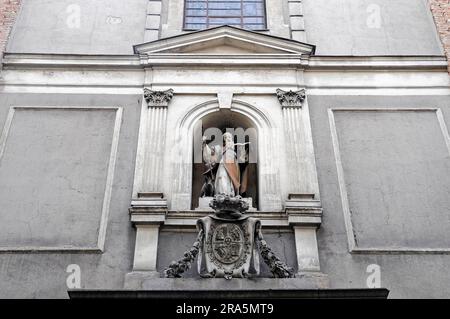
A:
(224, 174)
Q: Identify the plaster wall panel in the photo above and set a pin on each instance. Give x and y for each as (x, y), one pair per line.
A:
(396, 171)
(53, 167)
(79, 26)
(371, 27)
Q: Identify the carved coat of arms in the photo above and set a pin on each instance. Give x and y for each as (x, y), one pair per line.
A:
(229, 248)
(227, 245)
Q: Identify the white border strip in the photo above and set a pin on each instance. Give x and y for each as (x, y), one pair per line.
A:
(99, 248)
(351, 236)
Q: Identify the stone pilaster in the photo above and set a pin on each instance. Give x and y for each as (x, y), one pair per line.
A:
(303, 205)
(151, 145)
(299, 144)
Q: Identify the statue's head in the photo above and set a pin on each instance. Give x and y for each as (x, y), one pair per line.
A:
(228, 139)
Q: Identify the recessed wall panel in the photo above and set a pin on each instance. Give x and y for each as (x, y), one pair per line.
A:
(396, 174)
(53, 176)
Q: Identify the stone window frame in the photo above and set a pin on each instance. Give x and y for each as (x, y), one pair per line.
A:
(241, 16)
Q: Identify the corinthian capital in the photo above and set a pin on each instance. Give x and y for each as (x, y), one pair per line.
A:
(291, 98)
(158, 98)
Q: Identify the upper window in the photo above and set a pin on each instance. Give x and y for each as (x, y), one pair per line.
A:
(202, 14)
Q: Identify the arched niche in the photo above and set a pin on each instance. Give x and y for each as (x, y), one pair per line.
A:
(243, 129)
(182, 154)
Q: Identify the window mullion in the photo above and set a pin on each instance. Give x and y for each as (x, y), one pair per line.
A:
(242, 14)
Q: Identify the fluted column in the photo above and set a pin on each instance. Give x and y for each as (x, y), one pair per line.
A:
(300, 157)
(151, 145)
(303, 205)
(148, 206)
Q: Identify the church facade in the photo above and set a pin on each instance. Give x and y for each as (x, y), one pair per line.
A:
(122, 125)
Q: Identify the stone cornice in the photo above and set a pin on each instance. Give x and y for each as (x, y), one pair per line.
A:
(94, 62)
(30, 60)
(90, 74)
(377, 62)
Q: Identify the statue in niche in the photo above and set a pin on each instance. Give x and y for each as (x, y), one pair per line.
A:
(226, 174)
(229, 242)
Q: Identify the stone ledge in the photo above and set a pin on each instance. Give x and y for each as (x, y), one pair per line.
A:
(251, 293)
(140, 280)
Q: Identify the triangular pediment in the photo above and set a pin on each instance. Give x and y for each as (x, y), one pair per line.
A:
(225, 40)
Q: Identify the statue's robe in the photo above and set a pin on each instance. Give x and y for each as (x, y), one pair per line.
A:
(232, 168)
(228, 177)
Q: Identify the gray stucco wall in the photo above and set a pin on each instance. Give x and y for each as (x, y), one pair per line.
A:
(43, 275)
(371, 27)
(337, 27)
(79, 26)
(406, 275)
(407, 216)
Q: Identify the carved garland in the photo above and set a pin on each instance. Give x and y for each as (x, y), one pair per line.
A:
(278, 268)
(177, 268)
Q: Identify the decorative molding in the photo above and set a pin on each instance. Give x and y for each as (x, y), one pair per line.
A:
(99, 248)
(263, 43)
(148, 208)
(321, 75)
(99, 62)
(158, 98)
(351, 236)
(268, 193)
(291, 98)
(320, 62)
(188, 218)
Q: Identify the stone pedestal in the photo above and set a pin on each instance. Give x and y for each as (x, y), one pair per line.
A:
(147, 213)
(305, 216)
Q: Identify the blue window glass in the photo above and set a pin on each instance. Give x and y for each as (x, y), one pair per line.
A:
(202, 14)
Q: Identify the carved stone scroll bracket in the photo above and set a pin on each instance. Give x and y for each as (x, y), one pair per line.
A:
(278, 268)
(177, 268)
(158, 98)
(291, 98)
